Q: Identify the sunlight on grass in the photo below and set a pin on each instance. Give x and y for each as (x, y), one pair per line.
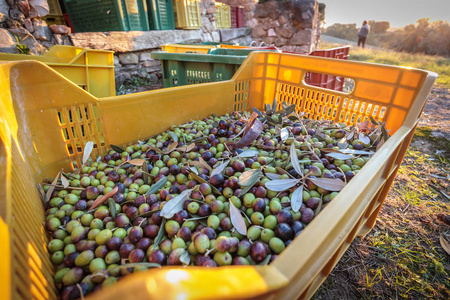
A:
(438, 64)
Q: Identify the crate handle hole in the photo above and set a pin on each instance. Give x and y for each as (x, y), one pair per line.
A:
(329, 82)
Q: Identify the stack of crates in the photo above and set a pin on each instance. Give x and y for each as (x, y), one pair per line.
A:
(55, 15)
(240, 17)
(222, 15)
(107, 15)
(187, 14)
(160, 14)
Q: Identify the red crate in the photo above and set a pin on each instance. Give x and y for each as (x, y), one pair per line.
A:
(240, 17)
(233, 11)
(324, 80)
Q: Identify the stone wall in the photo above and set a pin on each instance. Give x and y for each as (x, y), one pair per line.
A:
(21, 19)
(289, 25)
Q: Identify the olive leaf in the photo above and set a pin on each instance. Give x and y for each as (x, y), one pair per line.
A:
(52, 188)
(357, 152)
(294, 160)
(284, 134)
(117, 148)
(147, 214)
(220, 168)
(87, 151)
(257, 111)
(133, 265)
(364, 138)
(274, 104)
(194, 170)
(248, 153)
(186, 148)
(336, 154)
(249, 177)
(297, 199)
(266, 260)
(204, 163)
(185, 258)
(145, 174)
(112, 207)
(273, 176)
(173, 136)
(281, 184)
(252, 134)
(154, 149)
(201, 180)
(293, 118)
(319, 208)
(41, 192)
(136, 162)
(175, 205)
(342, 144)
(374, 122)
(160, 235)
(64, 180)
(237, 220)
(104, 198)
(157, 186)
(282, 171)
(267, 107)
(350, 135)
(329, 184)
(172, 147)
(290, 109)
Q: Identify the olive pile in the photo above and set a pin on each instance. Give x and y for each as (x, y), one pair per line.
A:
(229, 190)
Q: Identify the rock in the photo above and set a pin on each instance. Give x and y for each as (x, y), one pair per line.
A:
(252, 23)
(121, 78)
(151, 63)
(60, 29)
(28, 24)
(271, 32)
(66, 40)
(145, 56)
(207, 37)
(41, 30)
(215, 36)
(26, 38)
(116, 61)
(303, 49)
(285, 31)
(206, 24)
(39, 8)
(24, 7)
(13, 23)
(258, 31)
(57, 39)
(7, 42)
(283, 19)
(269, 40)
(301, 37)
(15, 14)
(274, 14)
(280, 41)
(128, 58)
(211, 10)
(120, 41)
(227, 35)
(4, 10)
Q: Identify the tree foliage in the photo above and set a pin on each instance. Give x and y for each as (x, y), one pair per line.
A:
(423, 37)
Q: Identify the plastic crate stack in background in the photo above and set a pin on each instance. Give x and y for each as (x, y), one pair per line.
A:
(222, 15)
(107, 15)
(326, 80)
(55, 15)
(187, 14)
(160, 14)
(240, 17)
(91, 70)
(233, 16)
(218, 15)
(36, 143)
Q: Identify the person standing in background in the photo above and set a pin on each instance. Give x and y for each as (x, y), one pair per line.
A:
(362, 34)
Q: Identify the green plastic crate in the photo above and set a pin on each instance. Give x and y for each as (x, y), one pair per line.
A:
(107, 15)
(192, 68)
(160, 14)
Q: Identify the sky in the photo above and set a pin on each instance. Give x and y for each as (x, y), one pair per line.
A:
(397, 12)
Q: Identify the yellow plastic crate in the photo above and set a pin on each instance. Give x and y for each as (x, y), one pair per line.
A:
(92, 70)
(35, 143)
(225, 16)
(218, 14)
(187, 14)
(180, 48)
